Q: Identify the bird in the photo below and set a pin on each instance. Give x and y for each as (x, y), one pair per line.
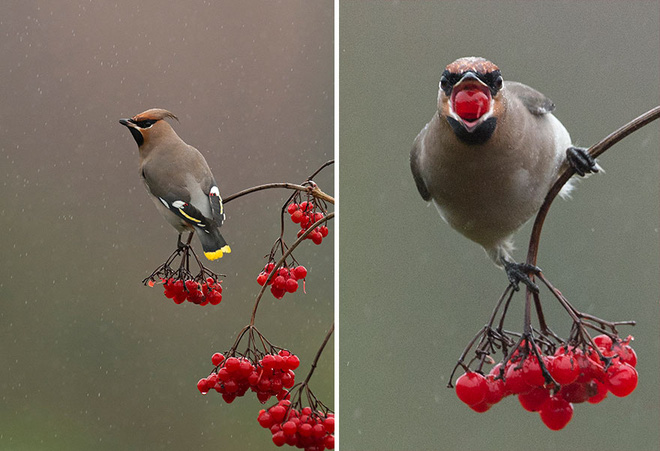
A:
(179, 181)
(489, 155)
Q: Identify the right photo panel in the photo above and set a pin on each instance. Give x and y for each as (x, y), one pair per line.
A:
(499, 221)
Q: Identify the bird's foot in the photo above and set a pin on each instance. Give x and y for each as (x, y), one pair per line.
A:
(519, 272)
(180, 245)
(581, 161)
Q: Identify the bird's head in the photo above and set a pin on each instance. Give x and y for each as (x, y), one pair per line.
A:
(469, 98)
(148, 124)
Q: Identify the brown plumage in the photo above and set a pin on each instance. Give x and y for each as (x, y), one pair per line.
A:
(179, 180)
(489, 170)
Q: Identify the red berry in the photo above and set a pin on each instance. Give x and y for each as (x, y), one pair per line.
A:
(292, 362)
(621, 379)
(289, 428)
(297, 216)
(482, 407)
(246, 367)
(514, 381)
(279, 439)
(577, 392)
(261, 279)
(291, 208)
(214, 297)
(563, 368)
(291, 285)
(288, 379)
(299, 272)
(232, 364)
(626, 354)
(278, 293)
(318, 430)
(265, 419)
(279, 283)
(268, 361)
(316, 237)
(471, 388)
(470, 103)
(329, 425)
(329, 442)
(277, 413)
(495, 389)
(192, 286)
(601, 392)
(202, 386)
(229, 397)
(324, 231)
(217, 358)
(556, 413)
(534, 400)
(180, 298)
(532, 372)
(603, 341)
(305, 430)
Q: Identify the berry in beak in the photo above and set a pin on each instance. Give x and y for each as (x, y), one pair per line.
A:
(471, 101)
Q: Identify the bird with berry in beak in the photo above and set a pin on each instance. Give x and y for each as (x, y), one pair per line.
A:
(489, 156)
(179, 181)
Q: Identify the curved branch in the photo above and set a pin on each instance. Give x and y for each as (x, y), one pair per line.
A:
(313, 190)
(595, 150)
(309, 187)
(318, 353)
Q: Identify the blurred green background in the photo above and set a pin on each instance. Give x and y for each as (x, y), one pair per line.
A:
(90, 358)
(413, 291)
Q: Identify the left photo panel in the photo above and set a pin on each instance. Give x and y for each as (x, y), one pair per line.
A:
(168, 209)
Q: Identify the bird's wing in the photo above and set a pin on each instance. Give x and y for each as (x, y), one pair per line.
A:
(213, 193)
(533, 100)
(414, 164)
(171, 189)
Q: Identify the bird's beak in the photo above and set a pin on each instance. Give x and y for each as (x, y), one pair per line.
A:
(126, 123)
(471, 102)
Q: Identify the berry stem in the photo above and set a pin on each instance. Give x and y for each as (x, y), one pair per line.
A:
(281, 261)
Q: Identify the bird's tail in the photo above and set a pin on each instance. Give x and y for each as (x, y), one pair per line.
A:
(213, 243)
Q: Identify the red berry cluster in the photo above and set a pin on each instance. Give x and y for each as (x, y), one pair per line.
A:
(285, 281)
(209, 292)
(270, 376)
(305, 429)
(274, 375)
(578, 375)
(231, 378)
(305, 215)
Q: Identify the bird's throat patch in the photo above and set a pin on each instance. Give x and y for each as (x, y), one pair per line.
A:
(479, 135)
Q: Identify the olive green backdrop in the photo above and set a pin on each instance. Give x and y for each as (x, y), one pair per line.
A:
(413, 291)
(89, 358)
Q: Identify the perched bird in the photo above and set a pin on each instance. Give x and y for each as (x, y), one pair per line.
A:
(489, 156)
(178, 180)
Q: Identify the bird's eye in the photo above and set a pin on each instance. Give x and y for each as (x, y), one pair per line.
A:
(146, 123)
(444, 83)
(497, 84)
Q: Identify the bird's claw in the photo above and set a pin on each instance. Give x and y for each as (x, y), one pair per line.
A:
(581, 161)
(519, 272)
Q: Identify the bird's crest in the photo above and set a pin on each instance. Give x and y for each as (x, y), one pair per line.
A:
(472, 63)
(154, 114)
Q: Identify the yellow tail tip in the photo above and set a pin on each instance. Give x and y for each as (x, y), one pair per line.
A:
(218, 254)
